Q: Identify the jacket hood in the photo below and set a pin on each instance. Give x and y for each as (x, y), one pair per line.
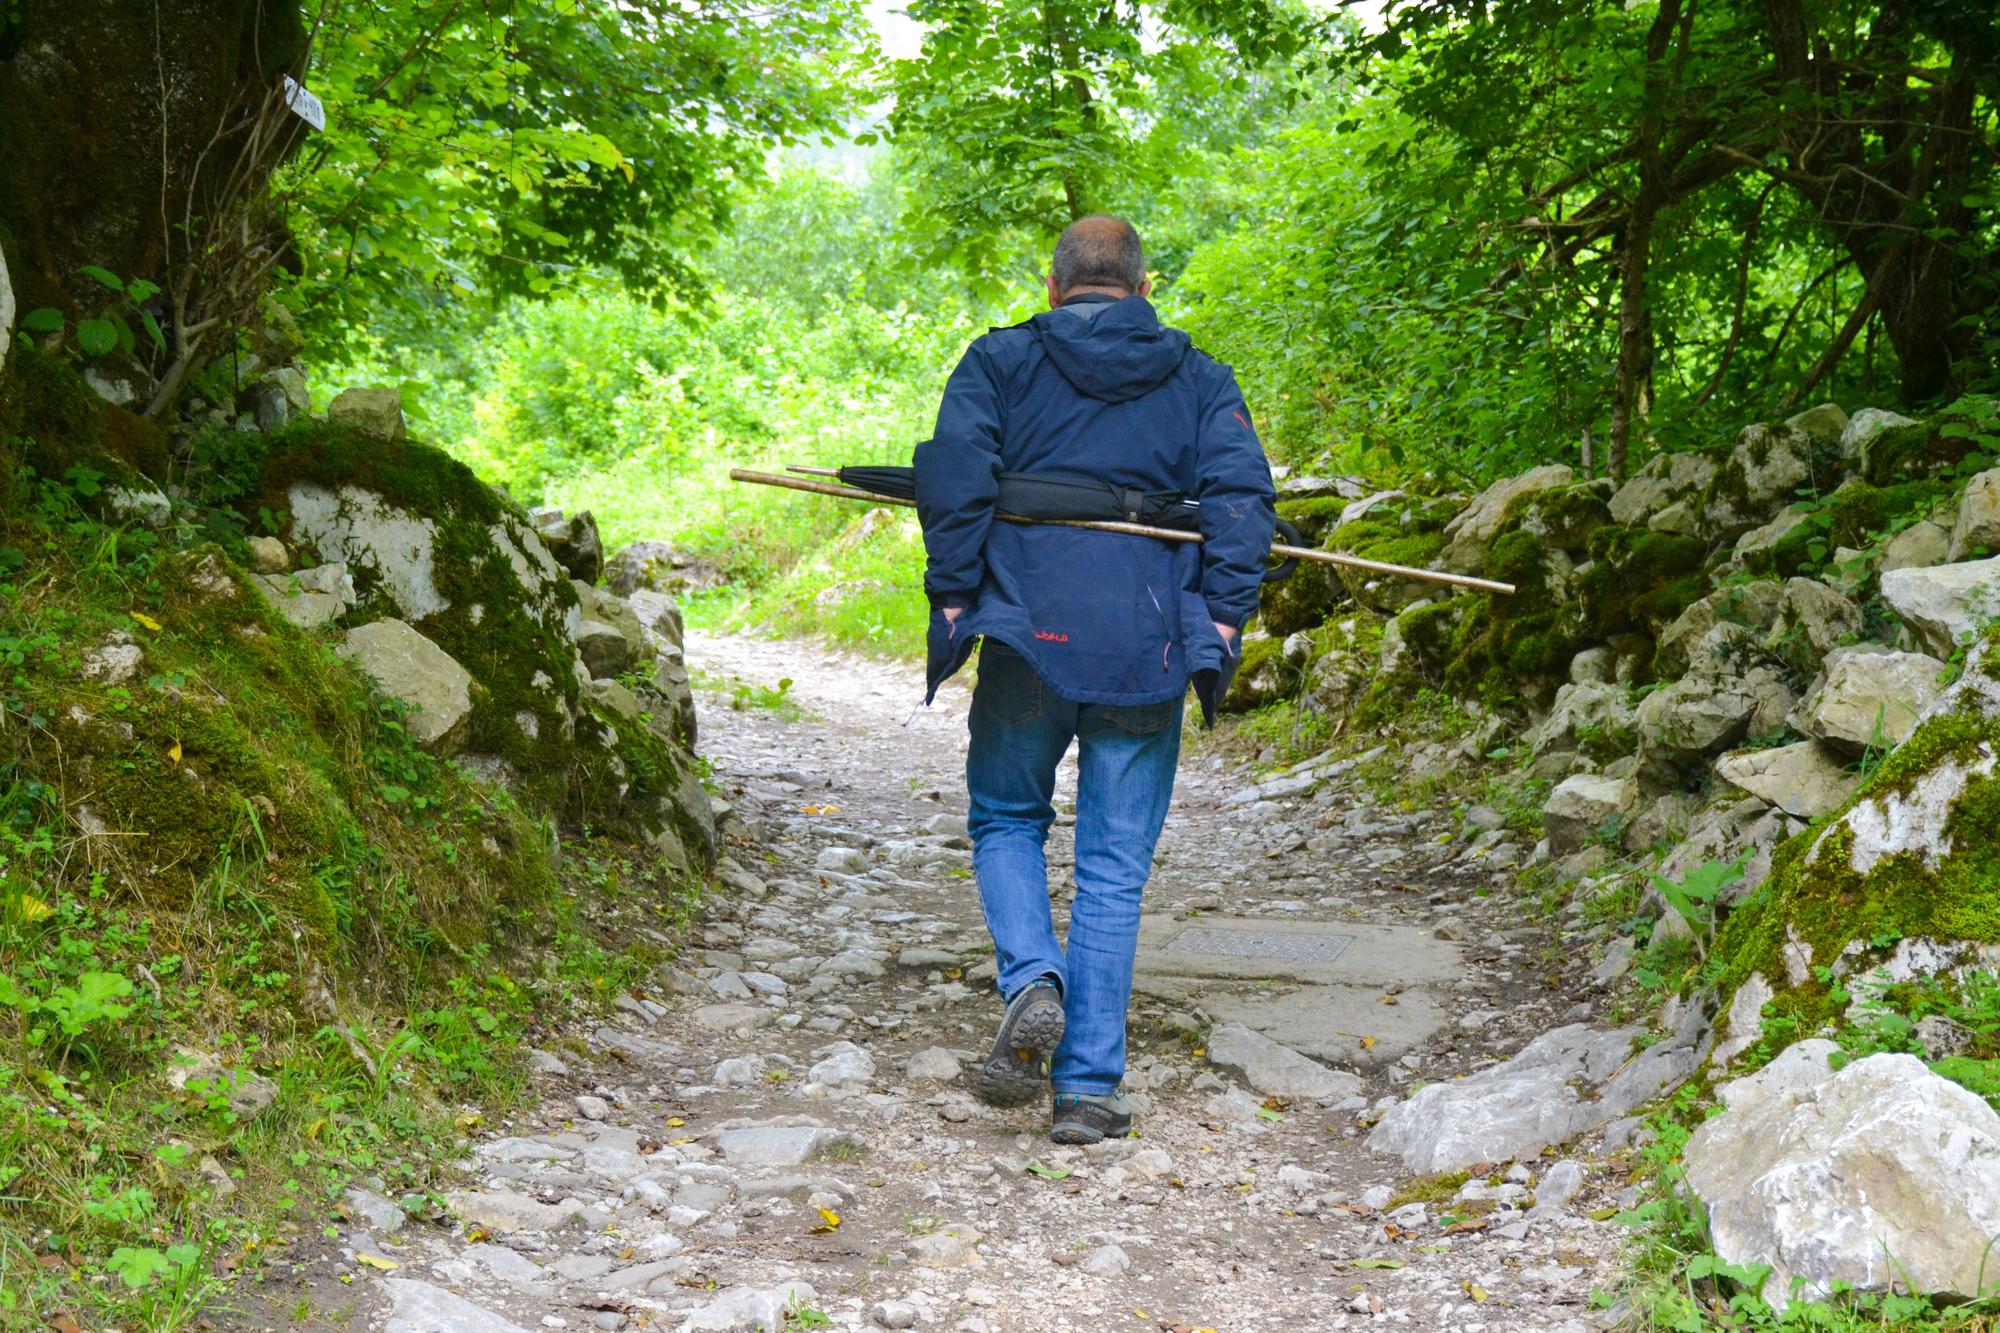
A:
(1110, 350)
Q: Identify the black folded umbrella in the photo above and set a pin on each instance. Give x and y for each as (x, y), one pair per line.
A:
(1043, 495)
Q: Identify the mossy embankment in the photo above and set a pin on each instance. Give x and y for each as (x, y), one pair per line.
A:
(255, 942)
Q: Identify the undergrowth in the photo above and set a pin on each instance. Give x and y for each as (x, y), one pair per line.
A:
(255, 944)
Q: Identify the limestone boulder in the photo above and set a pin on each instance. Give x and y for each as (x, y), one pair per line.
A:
(1752, 605)
(1863, 427)
(1945, 606)
(1510, 1111)
(1665, 480)
(1276, 1070)
(1747, 830)
(1977, 528)
(1469, 535)
(1914, 836)
(1584, 806)
(1758, 477)
(394, 550)
(1918, 546)
(1880, 1176)
(1805, 780)
(309, 598)
(1823, 424)
(607, 633)
(660, 567)
(1586, 717)
(1730, 691)
(372, 411)
(411, 669)
(1336, 681)
(1812, 621)
(1870, 699)
(660, 616)
(268, 555)
(573, 541)
(669, 698)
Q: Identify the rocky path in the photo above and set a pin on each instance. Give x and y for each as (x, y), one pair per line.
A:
(784, 1126)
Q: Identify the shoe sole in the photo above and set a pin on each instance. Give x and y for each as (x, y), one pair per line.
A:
(1014, 1074)
(1084, 1135)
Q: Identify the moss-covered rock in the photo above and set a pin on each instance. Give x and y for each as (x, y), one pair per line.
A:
(1637, 579)
(1857, 515)
(1925, 449)
(1313, 517)
(1263, 675)
(1911, 855)
(1301, 601)
(1408, 533)
(1562, 517)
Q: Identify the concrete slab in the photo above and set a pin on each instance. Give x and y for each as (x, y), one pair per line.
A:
(1327, 953)
(1319, 987)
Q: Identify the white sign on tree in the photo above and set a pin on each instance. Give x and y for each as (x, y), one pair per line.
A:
(308, 108)
(6, 309)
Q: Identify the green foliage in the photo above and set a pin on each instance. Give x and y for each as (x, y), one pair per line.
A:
(1015, 120)
(1694, 897)
(471, 155)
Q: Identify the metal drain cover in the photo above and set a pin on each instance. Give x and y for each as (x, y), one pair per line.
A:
(1296, 945)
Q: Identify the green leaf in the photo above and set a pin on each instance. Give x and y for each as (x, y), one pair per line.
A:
(45, 320)
(152, 327)
(1376, 1263)
(104, 276)
(97, 337)
(139, 290)
(1048, 1172)
(137, 1267)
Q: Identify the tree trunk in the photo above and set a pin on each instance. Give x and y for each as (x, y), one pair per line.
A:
(1635, 325)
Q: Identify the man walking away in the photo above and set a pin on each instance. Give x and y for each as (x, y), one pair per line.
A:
(1087, 635)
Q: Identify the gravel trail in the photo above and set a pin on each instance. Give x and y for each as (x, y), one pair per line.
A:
(786, 1123)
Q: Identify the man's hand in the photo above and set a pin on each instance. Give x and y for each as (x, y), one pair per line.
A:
(1228, 633)
(952, 613)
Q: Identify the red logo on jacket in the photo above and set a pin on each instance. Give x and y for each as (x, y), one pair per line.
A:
(1050, 636)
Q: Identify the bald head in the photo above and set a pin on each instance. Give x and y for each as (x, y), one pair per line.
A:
(1098, 253)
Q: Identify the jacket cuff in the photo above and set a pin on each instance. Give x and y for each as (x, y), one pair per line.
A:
(944, 601)
(1234, 619)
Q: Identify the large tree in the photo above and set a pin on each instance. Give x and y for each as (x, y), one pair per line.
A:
(1846, 147)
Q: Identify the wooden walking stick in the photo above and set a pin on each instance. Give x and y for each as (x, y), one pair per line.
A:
(1133, 530)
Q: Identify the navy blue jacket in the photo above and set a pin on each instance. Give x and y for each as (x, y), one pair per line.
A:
(1097, 388)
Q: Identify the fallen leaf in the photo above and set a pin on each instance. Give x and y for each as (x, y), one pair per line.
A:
(675, 1122)
(468, 1122)
(478, 1235)
(174, 753)
(377, 1261)
(1376, 1263)
(1468, 1224)
(1368, 1043)
(1048, 1172)
(145, 620)
(62, 1323)
(1474, 1290)
(829, 1223)
(627, 1252)
(682, 1141)
(34, 909)
(1266, 1113)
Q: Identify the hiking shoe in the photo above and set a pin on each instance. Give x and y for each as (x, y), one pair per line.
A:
(1083, 1118)
(1017, 1070)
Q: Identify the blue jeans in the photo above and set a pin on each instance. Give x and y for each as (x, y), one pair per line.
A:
(1126, 758)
